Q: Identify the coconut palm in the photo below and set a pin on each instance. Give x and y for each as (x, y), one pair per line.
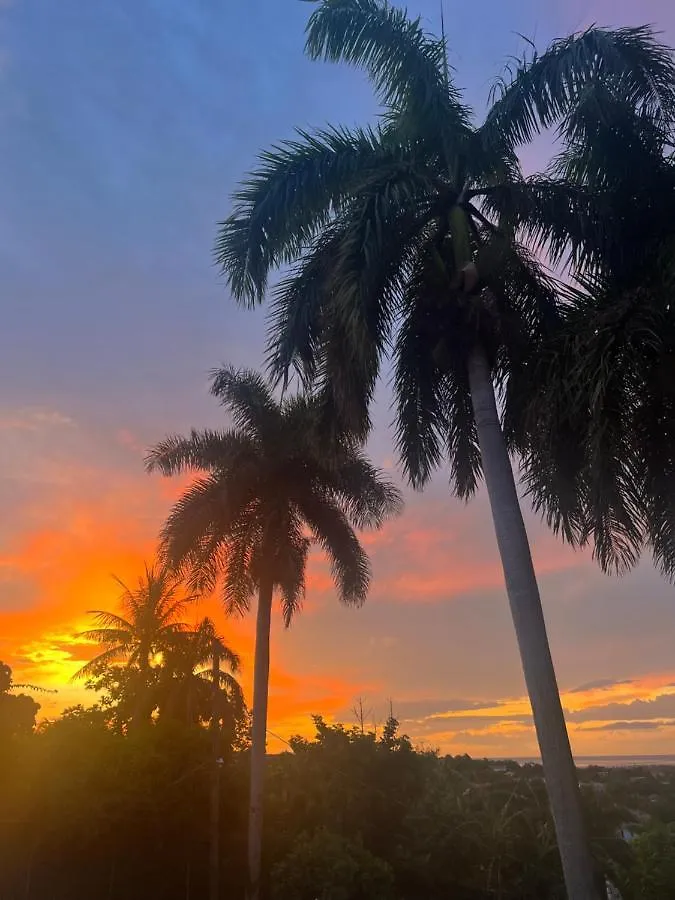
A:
(144, 628)
(186, 684)
(407, 237)
(270, 487)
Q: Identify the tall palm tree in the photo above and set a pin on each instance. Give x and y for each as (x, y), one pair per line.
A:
(409, 236)
(186, 684)
(271, 486)
(145, 626)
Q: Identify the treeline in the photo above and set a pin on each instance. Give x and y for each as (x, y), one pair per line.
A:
(87, 812)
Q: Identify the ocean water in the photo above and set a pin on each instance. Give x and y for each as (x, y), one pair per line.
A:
(611, 762)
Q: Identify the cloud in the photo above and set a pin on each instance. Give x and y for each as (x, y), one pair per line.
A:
(33, 419)
(600, 684)
(439, 550)
(630, 726)
(659, 707)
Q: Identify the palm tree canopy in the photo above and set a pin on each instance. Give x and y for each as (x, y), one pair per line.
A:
(410, 238)
(147, 622)
(268, 488)
(185, 686)
(606, 381)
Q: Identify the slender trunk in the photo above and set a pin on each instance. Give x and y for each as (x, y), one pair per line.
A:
(528, 619)
(216, 763)
(261, 674)
(139, 715)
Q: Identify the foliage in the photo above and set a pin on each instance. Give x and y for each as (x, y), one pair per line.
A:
(653, 873)
(325, 866)
(608, 475)
(155, 664)
(87, 809)
(270, 487)
(417, 239)
(142, 630)
(17, 711)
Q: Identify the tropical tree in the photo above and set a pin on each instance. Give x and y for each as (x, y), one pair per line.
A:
(17, 711)
(186, 685)
(144, 628)
(270, 487)
(607, 378)
(409, 236)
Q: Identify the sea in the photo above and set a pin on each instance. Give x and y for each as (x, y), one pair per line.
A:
(613, 762)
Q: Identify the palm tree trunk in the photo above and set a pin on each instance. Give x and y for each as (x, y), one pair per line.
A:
(535, 654)
(261, 674)
(139, 715)
(216, 762)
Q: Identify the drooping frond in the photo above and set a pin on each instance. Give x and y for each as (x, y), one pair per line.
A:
(203, 451)
(367, 496)
(289, 199)
(579, 459)
(331, 530)
(290, 565)
(542, 90)
(407, 66)
(565, 219)
(100, 663)
(240, 578)
(335, 312)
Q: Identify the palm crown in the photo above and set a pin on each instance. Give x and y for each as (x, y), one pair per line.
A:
(600, 461)
(148, 623)
(270, 487)
(186, 680)
(408, 237)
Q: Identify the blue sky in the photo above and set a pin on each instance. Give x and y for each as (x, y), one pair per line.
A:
(124, 128)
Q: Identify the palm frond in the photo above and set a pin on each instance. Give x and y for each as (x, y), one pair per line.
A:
(542, 90)
(567, 220)
(109, 621)
(433, 406)
(207, 510)
(330, 528)
(202, 451)
(290, 565)
(290, 198)
(248, 398)
(408, 67)
(363, 491)
(100, 663)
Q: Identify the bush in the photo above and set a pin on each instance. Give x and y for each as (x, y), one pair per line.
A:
(325, 866)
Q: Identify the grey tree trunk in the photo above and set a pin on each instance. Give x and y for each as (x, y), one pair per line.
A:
(535, 654)
(261, 675)
(216, 763)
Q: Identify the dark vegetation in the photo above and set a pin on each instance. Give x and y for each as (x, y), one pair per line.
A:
(89, 812)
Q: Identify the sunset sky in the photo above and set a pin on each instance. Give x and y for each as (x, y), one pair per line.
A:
(124, 127)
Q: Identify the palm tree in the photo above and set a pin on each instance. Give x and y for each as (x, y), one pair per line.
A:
(271, 486)
(145, 627)
(607, 377)
(186, 687)
(409, 236)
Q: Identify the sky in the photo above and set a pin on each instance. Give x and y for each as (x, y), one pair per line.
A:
(124, 129)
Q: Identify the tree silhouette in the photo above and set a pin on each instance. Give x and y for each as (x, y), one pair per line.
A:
(147, 624)
(409, 236)
(186, 680)
(17, 711)
(270, 487)
(606, 381)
